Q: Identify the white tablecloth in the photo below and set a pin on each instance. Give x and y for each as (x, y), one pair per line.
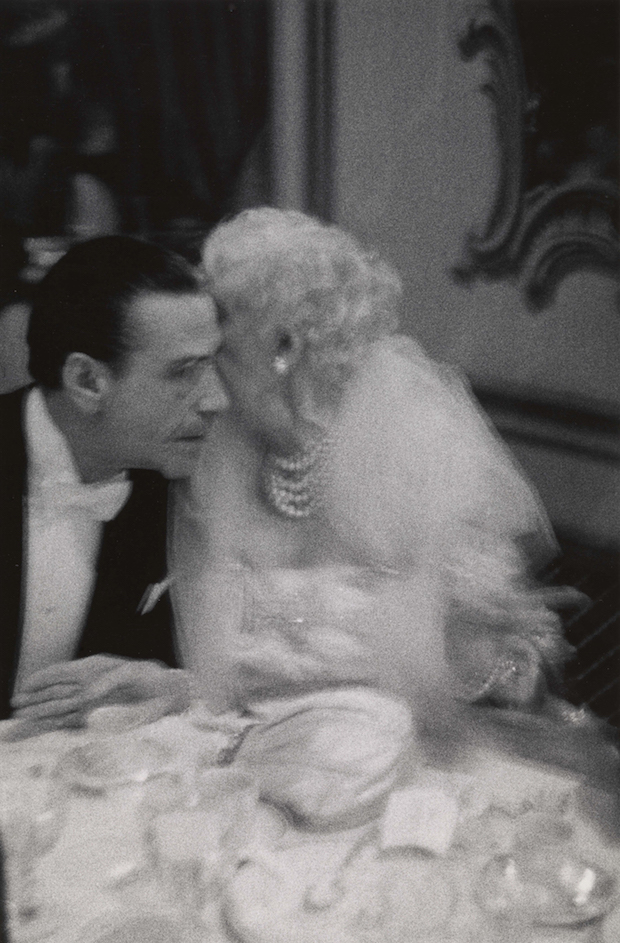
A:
(102, 868)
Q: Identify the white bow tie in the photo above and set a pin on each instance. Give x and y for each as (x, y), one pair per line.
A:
(100, 501)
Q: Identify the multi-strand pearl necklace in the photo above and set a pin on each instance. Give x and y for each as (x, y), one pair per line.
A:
(294, 485)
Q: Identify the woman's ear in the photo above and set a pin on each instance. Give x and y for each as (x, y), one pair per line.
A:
(86, 381)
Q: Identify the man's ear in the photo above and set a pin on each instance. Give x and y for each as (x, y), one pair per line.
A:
(86, 380)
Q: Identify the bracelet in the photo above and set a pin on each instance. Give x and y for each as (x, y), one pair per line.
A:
(505, 671)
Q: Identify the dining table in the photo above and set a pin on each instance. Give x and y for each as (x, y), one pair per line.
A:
(126, 832)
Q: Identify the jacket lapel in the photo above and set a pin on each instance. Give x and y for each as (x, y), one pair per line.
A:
(132, 561)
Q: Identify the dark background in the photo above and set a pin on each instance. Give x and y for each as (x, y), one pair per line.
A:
(160, 101)
(570, 51)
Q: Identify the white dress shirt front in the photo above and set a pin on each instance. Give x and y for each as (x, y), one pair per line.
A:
(63, 530)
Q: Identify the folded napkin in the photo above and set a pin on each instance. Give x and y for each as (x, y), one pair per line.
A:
(330, 758)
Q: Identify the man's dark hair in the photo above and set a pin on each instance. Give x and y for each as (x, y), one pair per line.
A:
(80, 305)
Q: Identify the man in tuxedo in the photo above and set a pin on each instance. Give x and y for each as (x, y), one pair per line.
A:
(122, 342)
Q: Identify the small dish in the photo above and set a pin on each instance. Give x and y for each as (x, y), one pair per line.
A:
(113, 761)
(566, 892)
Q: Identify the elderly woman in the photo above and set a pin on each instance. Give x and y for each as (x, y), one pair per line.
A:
(358, 541)
(361, 521)
(356, 526)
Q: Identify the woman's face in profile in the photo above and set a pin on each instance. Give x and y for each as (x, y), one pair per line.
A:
(250, 362)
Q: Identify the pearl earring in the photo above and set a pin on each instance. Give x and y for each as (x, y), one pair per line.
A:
(280, 365)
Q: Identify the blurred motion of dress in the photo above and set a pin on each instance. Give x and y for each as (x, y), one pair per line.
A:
(422, 506)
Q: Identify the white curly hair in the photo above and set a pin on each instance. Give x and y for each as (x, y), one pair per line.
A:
(266, 263)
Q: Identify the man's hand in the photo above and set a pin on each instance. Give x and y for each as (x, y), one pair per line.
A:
(62, 695)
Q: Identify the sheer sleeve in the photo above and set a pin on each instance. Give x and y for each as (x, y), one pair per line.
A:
(416, 463)
(422, 483)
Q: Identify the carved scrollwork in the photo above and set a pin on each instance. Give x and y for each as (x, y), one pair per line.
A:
(539, 235)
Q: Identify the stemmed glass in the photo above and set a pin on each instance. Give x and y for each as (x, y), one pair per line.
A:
(196, 824)
(32, 811)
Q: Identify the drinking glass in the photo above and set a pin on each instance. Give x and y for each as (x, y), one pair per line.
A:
(197, 830)
(33, 807)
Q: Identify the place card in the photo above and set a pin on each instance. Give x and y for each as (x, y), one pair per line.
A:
(420, 817)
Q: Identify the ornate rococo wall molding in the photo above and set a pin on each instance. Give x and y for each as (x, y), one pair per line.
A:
(535, 236)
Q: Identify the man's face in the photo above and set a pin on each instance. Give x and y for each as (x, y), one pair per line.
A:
(159, 407)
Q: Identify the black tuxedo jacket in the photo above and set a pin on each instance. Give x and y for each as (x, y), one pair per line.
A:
(132, 558)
